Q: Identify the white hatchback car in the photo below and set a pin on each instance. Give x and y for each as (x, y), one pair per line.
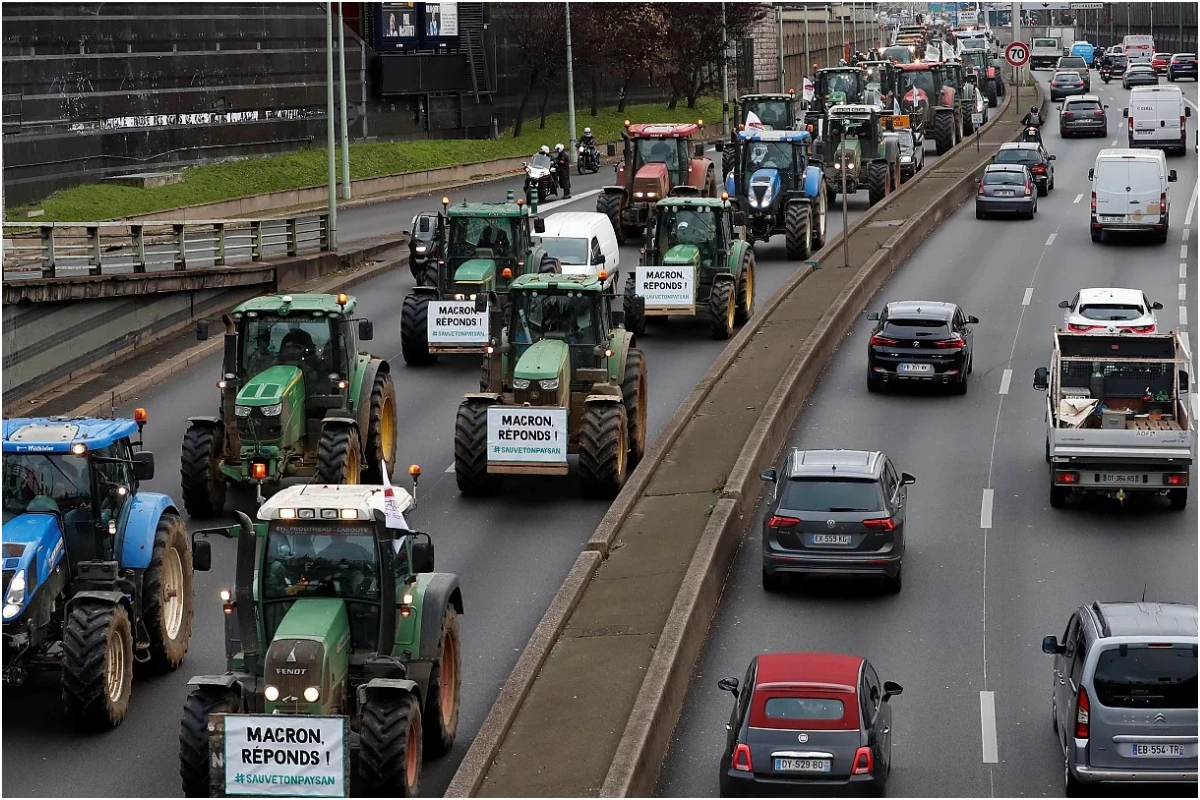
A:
(1111, 311)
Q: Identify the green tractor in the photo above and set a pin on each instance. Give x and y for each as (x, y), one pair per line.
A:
(773, 111)
(342, 647)
(563, 379)
(696, 260)
(298, 399)
(860, 156)
(488, 245)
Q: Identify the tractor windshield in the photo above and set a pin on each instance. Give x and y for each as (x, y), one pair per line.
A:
(917, 84)
(773, 114)
(568, 316)
(672, 152)
(850, 128)
(482, 237)
(843, 87)
(295, 341)
(694, 225)
(45, 482)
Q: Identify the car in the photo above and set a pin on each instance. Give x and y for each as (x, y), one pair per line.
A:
(1078, 65)
(1109, 311)
(424, 245)
(1032, 155)
(1117, 63)
(808, 721)
(1005, 189)
(1083, 114)
(920, 341)
(1157, 118)
(1131, 193)
(1159, 61)
(1084, 50)
(912, 151)
(1066, 82)
(1181, 65)
(1123, 694)
(835, 512)
(1139, 75)
(585, 243)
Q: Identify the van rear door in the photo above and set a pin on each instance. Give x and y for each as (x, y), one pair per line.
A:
(1109, 183)
(1145, 191)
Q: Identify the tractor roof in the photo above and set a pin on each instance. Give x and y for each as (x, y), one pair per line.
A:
(774, 136)
(853, 110)
(556, 281)
(769, 96)
(664, 130)
(920, 66)
(327, 502)
(57, 434)
(838, 69)
(283, 304)
(475, 210)
(695, 202)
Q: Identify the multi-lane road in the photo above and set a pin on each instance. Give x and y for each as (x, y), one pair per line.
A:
(990, 567)
(511, 552)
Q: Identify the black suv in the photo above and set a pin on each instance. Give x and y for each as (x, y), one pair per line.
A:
(923, 342)
(1032, 155)
(835, 512)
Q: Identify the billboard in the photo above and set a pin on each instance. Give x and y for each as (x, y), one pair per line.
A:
(416, 26)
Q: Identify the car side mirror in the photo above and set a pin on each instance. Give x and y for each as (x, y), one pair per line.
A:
(406, 233)
(1064, 304)
(1187, 111)
(978, 181)
(1156, 306)
(873, 316)
(720, 146)
(601, 259)
(1106, 106)
(891, 689)
(699, 149)
(1172, 177)
(481, 303)
(201, 330)
(143, 466)
(539, 225)
(1050, 646)
(1091, 174)
(907, 479)
(728, 685)
(1125, 112)
(972, 320)
(422, 553)
(201, 556)
(618, 319)
(1041, 378)
(769, 475)
(366, 330)
(1052, 158)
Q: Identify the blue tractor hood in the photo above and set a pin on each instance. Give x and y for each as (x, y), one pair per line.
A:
(26, 535)
(765, 187)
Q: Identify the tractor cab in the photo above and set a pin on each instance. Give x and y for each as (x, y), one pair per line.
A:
(692, 234)
(773, 112)
(839, 86)
(486, 246)
(661, 156)
(918, 88)
(569, 309)
(853, 130)
(881, 84)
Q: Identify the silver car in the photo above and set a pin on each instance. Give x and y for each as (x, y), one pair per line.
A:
(1006, 189)
(1139, 75)
(1110, 310)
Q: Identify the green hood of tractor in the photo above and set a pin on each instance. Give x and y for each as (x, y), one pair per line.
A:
(682, 255)
(544, 360)
(852, 148)
(476, 270)
(311, 647)
(271, 386)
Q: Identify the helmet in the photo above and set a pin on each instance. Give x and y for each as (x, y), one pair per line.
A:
(587, 131)
(1033, 110)
(558, 148)
(545, 150)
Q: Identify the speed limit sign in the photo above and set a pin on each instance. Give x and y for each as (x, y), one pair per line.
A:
(1017, 54)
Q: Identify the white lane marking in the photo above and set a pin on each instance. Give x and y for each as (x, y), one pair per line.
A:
(1183, 291)
(1183, 337)
(1183, 271)
(1050, 241)
(1114, 142)
(1028, 296)
(1183, 251)
(1005, 380)
(449, 469)
(985, 511)
(987, 718)
(1183, 315)
(1187, 234)
(1078, 197)
(1187, 218)
(574, 197)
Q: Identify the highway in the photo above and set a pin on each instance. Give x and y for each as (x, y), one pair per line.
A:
(990, 568)
(510, 552)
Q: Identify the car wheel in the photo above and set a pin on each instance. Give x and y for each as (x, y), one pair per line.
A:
(1073, 786)
(978, 213)
(771, 582)
(892, 585)
(874, 384)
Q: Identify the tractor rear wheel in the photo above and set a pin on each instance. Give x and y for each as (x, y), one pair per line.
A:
(194, 760)
(745, 292)
(549, 265)
(603, 449)
(797, 221)
(470, 450)
(943, 132)
(877, 181)
(485, 374)
(339, 456)
(167, 596)
(634, 393)
(429, 276)
(414, 331)
(97, 664)
(726, 161)
(200, 474)
(722, 309)
(635, 315)
(390, 752)
(610, 206)
(443, 697)
(381, 428)
(820, 220)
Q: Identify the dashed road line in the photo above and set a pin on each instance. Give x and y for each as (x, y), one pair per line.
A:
(1187, 234)
(987, 719)
(1183, 251)
(1078, 197)
(985, 510)
(1183, 291)
(1187, 220)
(1028, 296)
(1183, 337)
(1005, 380)
(1183, 315)
(1114, 142)
(1050, 241)
(1183, 271)
(449, 469)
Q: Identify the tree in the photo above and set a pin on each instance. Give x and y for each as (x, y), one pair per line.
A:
(693, 44)
(540, 59)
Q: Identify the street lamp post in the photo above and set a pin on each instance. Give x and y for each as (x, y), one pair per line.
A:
(724, 74)
(573, 156)
(341, 29)
(330, 119)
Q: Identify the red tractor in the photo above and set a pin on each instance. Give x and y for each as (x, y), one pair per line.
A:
(928, 96)
(660, 160)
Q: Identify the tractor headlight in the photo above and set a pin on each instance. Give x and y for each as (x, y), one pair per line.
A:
(520, 383)
(421, 249)
(271, 693)
(550, 384)
(11, 611)
(272, 411)
(241, 411)
(312, 694)
(15, 597)
(768, 195)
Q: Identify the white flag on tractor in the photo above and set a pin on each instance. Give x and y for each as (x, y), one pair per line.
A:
(391, 507)
(753, 123)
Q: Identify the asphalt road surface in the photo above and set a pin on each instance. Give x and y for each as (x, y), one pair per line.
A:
(510, 552)
(990, 567)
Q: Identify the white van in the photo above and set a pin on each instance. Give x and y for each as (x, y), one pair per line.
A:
(1138, 48)
(1129, 193)
(1157, 117)
(584, 243)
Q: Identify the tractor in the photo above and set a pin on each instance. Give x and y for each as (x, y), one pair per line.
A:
(773, 112)
(967, 94)
(98, 575)
(779, 190)
(881, 84)
(660, 160)
(988, 75)
(337, 624)
(931, 103)
(298, 399)
(860, 155)
(564, 378)
(696, 260)
(487, 246)
(832, 86)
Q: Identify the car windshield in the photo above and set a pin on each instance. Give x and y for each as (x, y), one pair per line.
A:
(1045, 42)
(321, 560)
(568, 250)
(898, 53)
(45, 482)
(772, 113)
(906, 327)
(1071, 61)
(1144, 676)
(566, 316)
(1110, 312)
(1184, 57)
(1142, 69)
(831, 494)
(804, 708)
(1003, 178)
(1016, 155)
(1117, 59)
(468, 235)
(288, 341)
(1067, 77)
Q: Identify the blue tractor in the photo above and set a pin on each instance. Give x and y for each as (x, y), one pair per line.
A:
(97, 574)
(780, 189)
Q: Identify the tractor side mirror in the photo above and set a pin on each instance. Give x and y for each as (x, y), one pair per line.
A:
(481, 303)
(1050, 646)
(720, 146)
(1172, 177)
(539, 225)
(201, 556)
(366, 330)
(1064, 304)
(728, 685)
(699, 149)
(618, 319)
(143, 465)
(1041, 378)
(611, 149)
(201, 330)
(422, 553)
(1184, 382)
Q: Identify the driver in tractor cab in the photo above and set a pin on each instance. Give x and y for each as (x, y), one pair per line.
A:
(299, 350)
(495, 239)
(663, 152)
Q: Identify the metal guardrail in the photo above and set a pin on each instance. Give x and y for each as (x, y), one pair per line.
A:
(70, 249)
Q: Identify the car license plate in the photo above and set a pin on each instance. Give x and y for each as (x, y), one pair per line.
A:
(1005, 194)
(802, 765)
(915, 368)
(1111, 218)
(1158, 750)
(1121, 477)
(830, 538)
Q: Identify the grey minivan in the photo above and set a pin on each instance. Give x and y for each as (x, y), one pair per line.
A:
(1124, 694)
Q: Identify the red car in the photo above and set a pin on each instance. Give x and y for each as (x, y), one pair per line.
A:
(1160, 61)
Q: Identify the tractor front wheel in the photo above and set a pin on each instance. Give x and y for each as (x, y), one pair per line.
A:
(723, 309)
(167, 595)
(603, 450)
(549, 265)
(634, 392)
(745, 292)
(339, 456)
(726, 161)
(943, 132)
(470, 450)
(877, 182)
(381, 428)
(443, 698)
(797, 221)
(200, 474)
(610, 206)
(414, 331)
(194, 758)
(97, 664)
(390, 752)
(635, 313)
(820, 220)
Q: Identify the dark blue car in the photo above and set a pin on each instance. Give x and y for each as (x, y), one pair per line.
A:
(1181, 65)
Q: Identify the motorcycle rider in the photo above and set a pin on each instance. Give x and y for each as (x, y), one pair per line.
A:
(562, 161)
(1032, 118)
(589, 144)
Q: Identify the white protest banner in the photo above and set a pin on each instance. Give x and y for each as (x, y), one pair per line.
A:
(456, 322)
(666, 286)
(535, 435)
(285, 756)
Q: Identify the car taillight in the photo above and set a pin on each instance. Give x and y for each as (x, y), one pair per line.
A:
(1068, 114)
(1082, 726)
(1073, 328)
(1182, 122)
(1130, 121)
(1039, 168)
(980, 192)
(741, 759)
(1139, 328)
(1066, 477)
(1162, 204)
(1175, 479)
(777, 522)
(883, 341)
(1028, 189)
(864, 762)
(1093, 202)
(1098, 113)
(888, 524)
(952, 342)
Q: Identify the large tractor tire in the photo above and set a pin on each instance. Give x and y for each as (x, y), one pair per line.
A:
(549, 265)
(635, 316)
(877, 182)
(194, 760)
(745, 290)
(381, 428)
(603, 449)
(391, 745)
(610, 206)
(798, 222)
(97, 664)
(711, 185)
(635, 393)
(167, 595)
(722, 309)
(990, 91)
(339, 456)
(414, 331)
(200, 474)
(943, 132)
(444, 697)
(726, 160)
(470, 450)
(485, 374)
(820, 221)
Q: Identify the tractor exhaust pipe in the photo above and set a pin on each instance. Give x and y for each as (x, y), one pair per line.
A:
(229, 392)
(244, 592)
